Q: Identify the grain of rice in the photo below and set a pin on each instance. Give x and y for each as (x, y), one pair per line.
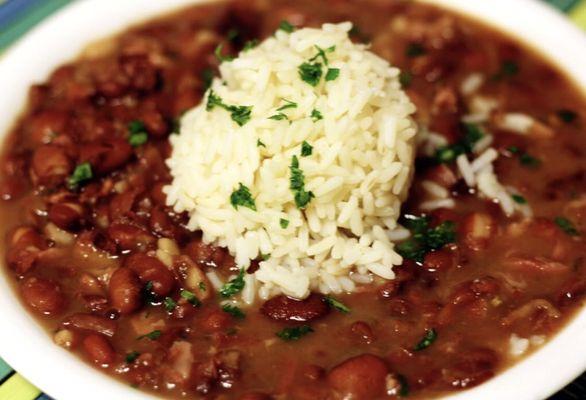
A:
(435, 190)
(435, 204)
(472, 83)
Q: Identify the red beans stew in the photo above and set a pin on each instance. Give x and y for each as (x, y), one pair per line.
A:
(115, 276)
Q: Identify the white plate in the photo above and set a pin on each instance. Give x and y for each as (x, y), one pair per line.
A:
(27, 347)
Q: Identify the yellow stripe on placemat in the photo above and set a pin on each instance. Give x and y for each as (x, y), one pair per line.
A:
(18, 388)
(578, 14)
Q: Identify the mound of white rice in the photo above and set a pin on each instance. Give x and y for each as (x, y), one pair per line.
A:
(358, 172)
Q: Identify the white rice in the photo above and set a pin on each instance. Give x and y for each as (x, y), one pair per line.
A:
(516, 122)
(359, 171)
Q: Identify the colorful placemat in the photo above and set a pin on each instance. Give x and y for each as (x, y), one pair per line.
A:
(18, 16)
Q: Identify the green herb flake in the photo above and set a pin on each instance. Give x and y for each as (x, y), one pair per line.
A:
(528, 160)
(517, 198)
(234, 311)
(242, 197)
(154, 335)
(448, 154)
(294, 333)
(290, 104)
(222, 58)
(239, 114)
(306, 149)
(508, 69)
(202, 287)
(513, 149)
(191, 297)
(310, 73)
(405, 79)
(567, 116)
(251, 44)
(169, 304)
(321, 53)
(427, 340)
(297, 185)
(332, 74)
(284, 223)
(404, 388)
(259, 143)
(265, 257)
(414, 50)
(131, 357)
(286, 26)
(279, 117)
(207, 76)
(566, 226)
(338, 305)
(316, 115)
(425, 239)
(234, 286)
(81, 174)
(233, 34)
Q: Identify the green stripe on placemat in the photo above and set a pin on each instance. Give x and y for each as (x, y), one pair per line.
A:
(564, 5)
(578, 14)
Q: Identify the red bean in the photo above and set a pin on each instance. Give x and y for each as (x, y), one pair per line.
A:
(362, 331)
(122, 204)
(150, 269)
(157, 194)
(283, 308)
(442, 175)
(255, 396)
(98, 349)
(130, 237)
(106, 156)
(470, 368)
(125, 291)
(154, 123)
(439, 261)
(50, 165)
(91, 322)
(44, 126)
(204, 254)
(216, 321)
(389, 289)
(67, 216)
(24, 249)
(43, 295)
(362, 377)
(141, 73)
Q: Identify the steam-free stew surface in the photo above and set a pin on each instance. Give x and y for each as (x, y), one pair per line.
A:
(83, 214)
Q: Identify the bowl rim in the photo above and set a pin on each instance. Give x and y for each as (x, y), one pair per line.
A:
(31, 352)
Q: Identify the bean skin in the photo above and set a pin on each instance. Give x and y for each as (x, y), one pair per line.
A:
(287, 309)
(67, 216)
(91, 322)
(130, 237)
(362, 377)
(98, 349)
(150, 269)
(50, 165)
(44, 296)
(125, 291)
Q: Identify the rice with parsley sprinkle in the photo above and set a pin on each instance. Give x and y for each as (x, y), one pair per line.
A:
(301, 155)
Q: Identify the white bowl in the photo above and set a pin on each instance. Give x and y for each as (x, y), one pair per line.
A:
(30, 350)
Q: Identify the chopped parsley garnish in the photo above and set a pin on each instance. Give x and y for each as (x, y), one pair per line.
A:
(220, 56)
(447, 154)
(405, 79)
(170, 304)
(131, 357)
(513, 149)
(279, 117)
(207, 76)
(290, 104)
(286, 26)
(154, 335)
(259, 143)
(566, 226)
(567, 116)
(357, 33)
(294, 333)
(297, 185)
(338, 305)
(508, 69)
(529, 161)
(233, 311)
(190, 297)
(316, 115)
(306, 149)
(251, 44)
(239, 114)
(148, 295)
(424, 238)
(233, 34)
(414, 50)
(517, 198)
(138, 134)
(404, 389)
(321, 53)
(427, 340)
(242, 197)
(265, 257)
(310, 73)
(234, 286)
(332, 74)
(201, 286)
(81, 174)
(284, 223)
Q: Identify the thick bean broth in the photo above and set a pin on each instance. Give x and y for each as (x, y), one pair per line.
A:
(88, 251)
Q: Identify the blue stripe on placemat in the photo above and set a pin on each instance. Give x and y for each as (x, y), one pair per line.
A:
(5, 370)
(44, 397)
(13, 9)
